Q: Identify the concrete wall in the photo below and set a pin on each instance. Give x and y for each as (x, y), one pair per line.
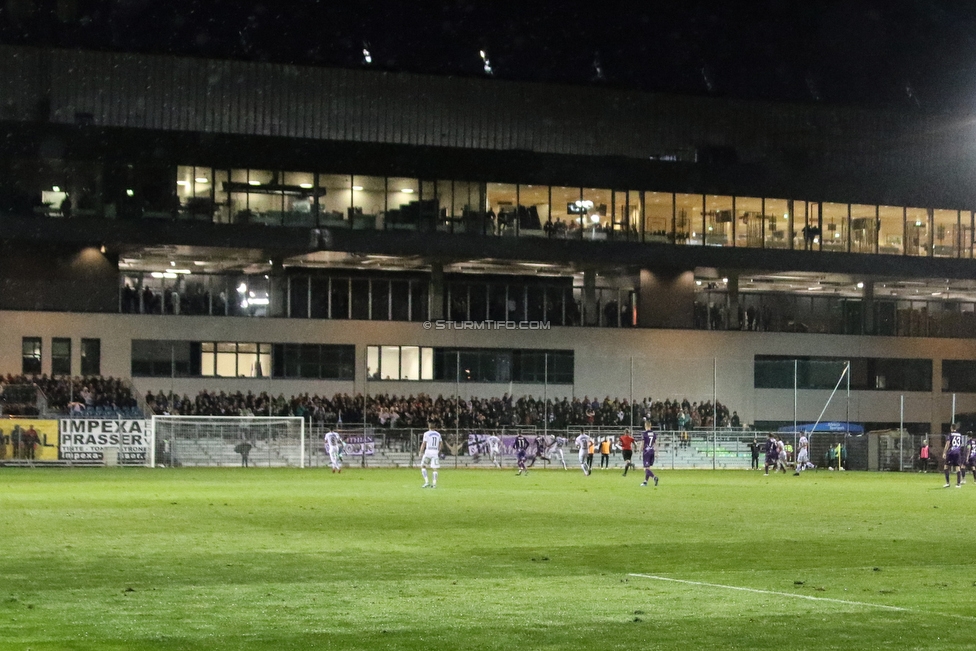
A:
(608, 362)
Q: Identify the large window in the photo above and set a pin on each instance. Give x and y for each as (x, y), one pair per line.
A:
(152, 358)
(503, 365)
(164, 358)
(60, 356)
(867, 374)
(399, 363)
(234, 359)
(314, 361)
(959, 376)
(31, 355)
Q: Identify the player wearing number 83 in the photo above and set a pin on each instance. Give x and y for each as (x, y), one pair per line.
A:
(430, 450)
(951, 454)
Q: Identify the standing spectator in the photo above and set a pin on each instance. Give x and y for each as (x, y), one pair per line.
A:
(923, 457)
(15, 440)
(244, 449)
(754, 451)
(605, 446)
(30, 442)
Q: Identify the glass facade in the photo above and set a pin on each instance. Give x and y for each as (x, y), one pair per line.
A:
(353, 201)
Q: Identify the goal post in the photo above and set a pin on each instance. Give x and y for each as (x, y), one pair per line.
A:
(264, 441)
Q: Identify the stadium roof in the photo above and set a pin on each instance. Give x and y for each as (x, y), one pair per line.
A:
(916, 54)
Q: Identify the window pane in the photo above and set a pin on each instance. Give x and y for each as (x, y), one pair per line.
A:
(778, 230)
(501, 207)
(426, 363)
(891, 231)
(226, 364)
(748, 222)
(360, 299)
(945, 234)
(834, 226)
(403, 209)
(91, 356)
(373, 362)
(658, 210)
(31, 347)
(533, 211)
(60, 356)
(688, 218)
(410, 358)
(917, 231)
(595, 213)
(469, 206)
(247, 364)
(718, 221)
(334, 206)
(804, 218)
(390, 363)
(207, 364)
(565, 212)
(864, 228)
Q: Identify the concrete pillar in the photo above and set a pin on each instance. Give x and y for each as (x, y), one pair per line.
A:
(732, 301)
(666, 299)
(436, 291)
(867, 307)
(590, 315)
(277, 289)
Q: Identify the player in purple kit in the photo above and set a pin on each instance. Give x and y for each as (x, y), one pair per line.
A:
(971, 459)
(520, 445)
(952, 456)
(772, 454)
(649, 438)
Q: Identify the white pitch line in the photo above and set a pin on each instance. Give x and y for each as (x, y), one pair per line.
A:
(771, 592)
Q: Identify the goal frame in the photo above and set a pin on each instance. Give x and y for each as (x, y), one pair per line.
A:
(157, 418)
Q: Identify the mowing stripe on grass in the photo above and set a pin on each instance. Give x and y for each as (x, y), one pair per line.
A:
(771, 592)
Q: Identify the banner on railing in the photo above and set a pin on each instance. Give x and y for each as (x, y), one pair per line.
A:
(358, 446)
(29, 439)
(85, 439)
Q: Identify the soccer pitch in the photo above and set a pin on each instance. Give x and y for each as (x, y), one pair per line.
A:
(300, 559)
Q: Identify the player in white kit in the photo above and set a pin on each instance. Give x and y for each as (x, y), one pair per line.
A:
(803, 456)
(555, 450)
(430, 450)
(333, 444)
(583, 441)
(495, 450)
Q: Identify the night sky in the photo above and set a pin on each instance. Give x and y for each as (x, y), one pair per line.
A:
(916, 54)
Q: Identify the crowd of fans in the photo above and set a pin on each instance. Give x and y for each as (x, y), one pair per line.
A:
(416, 411)
(87, 395)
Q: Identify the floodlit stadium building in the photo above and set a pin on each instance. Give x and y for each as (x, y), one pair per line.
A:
(208, 224)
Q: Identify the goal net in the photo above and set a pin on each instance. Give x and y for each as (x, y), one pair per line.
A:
(228, 441)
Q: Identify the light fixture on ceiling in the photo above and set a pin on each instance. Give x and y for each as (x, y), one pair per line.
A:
(56, 188)
(254, 182)
(202, 179)
(357, 188)
(305, 186)
(406, 190)
(129, 192)
(183, 183)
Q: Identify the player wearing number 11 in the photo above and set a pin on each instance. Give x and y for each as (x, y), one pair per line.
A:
(430, 450)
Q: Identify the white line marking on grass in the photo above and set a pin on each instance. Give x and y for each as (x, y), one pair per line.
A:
(772, 592)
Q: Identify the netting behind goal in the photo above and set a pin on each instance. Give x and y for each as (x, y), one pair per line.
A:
(228, 441)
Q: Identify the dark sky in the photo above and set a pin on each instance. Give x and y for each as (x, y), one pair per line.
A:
(917, 54)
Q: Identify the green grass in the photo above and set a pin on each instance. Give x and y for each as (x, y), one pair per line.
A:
(215, 559)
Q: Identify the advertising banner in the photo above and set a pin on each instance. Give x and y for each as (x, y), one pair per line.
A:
(85, 439)
(358, 446)
(24, 438)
